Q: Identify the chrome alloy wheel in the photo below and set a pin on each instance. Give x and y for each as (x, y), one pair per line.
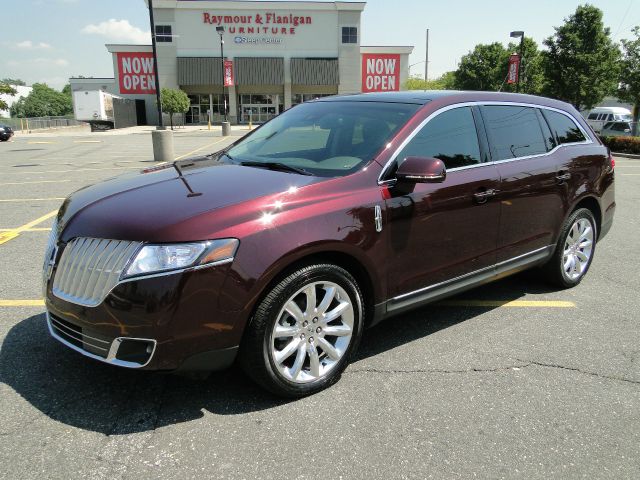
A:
(312, 332)
(578, 247)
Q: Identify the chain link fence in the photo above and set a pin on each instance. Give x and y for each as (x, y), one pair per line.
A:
(40, 123)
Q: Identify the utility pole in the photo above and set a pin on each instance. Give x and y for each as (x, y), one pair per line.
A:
(155, 65)
(426, 60)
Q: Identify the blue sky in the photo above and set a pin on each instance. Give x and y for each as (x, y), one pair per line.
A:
(51, 40)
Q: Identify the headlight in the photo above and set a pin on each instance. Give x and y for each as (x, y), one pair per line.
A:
(161, 258)
(1, 129)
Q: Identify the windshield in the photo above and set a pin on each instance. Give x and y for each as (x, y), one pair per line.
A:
(326, 139)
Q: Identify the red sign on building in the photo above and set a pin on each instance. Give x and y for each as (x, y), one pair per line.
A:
(380, 72)
(228, 73)
(135, 73)
(514, 67)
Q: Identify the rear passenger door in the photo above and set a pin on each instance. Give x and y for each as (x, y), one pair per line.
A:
(530, 192)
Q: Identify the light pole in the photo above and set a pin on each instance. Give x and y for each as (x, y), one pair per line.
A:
(516, 34)
(161, 139)
(220, 30)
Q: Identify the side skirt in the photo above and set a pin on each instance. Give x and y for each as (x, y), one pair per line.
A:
(426, 295)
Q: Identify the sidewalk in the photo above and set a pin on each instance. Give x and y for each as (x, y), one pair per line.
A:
(85, 131)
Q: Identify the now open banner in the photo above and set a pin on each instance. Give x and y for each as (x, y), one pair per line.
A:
(136, 75)
(380, 72)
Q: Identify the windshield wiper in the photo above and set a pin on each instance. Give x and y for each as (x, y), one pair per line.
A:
(282, 167)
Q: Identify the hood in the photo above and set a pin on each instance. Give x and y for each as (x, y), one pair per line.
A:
(142, 205)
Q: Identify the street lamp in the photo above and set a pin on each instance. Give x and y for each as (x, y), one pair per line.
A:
(519, 34)
(220, 30)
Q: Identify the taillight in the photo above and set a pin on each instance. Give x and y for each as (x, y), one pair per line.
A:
(612, 161)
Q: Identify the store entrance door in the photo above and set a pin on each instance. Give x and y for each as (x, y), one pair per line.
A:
(258, 108)
(193, 115)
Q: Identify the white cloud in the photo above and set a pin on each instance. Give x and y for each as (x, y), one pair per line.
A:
(29, 45)
(119, 31)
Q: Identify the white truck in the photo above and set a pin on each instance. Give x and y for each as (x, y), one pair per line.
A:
(102, 110)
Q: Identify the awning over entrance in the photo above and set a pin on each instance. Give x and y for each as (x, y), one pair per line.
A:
(315, 71)
(199, 71)
(259, 70)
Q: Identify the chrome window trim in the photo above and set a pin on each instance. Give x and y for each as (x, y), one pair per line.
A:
(113, 349)
(387, 166)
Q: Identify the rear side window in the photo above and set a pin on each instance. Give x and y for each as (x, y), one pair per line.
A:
(563, 127)
(593, 116)
(450, 136)
(514, 131)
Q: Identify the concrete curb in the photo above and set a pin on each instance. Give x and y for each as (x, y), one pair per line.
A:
(626, 155)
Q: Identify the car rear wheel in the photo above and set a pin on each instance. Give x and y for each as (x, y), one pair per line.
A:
(304, 331)
(574, 251)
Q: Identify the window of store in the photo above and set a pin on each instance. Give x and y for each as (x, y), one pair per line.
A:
(197, 113)
(258, 108)
(349, 34)
(163, 33)
(297, 98)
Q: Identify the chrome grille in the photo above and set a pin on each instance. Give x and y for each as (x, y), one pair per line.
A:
(89, 269)
(77, 336)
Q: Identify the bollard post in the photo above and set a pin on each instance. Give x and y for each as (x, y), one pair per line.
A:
(226, 129)
(162, 145)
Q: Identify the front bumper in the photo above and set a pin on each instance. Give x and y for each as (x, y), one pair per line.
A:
(167, 322)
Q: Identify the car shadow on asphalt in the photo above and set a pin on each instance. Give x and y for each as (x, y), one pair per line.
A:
(93, 396)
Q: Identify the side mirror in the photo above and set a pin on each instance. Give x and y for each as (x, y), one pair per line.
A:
(421, 170)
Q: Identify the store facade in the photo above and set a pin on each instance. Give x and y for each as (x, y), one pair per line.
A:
(277, 54)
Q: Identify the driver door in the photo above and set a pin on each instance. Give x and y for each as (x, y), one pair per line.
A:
(442, 231)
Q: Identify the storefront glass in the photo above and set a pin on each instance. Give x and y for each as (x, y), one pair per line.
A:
(258, 108)
(197, 113)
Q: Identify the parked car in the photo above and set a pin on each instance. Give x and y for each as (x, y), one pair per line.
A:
(598, 116)
(6, 132)
(331, 217)
(617, 129)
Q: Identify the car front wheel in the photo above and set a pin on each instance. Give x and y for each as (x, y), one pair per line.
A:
(304, 331)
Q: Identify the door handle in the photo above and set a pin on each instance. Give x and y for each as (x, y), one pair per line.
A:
(563, 177)
(484, 195)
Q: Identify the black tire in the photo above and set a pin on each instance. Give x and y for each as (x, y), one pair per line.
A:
(553, 271)
(255, 351)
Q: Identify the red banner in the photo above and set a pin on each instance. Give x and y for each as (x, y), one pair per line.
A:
(514, 68)
(228, 73)
(380, 72)
(135, 73)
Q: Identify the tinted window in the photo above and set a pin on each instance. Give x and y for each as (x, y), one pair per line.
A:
(451, 137)
(349, 35)
(163, 33)
(513, 131)
(593, 116)
(565, 129)
(621, 127)
(325, 138)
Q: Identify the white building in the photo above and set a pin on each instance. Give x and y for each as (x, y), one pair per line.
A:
(22, 91)
(276, 54)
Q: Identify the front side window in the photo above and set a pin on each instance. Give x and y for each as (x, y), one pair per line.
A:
(163, 33)
(349, 34)
(325, 138)
(451, 136)
(513, 131)
(563, 128)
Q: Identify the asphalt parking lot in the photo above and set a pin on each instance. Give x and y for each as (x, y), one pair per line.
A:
(545, 386)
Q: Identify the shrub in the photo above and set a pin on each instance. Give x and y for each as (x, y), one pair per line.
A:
(622, 144)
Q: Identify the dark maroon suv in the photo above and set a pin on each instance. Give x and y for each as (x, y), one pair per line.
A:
(338, 213)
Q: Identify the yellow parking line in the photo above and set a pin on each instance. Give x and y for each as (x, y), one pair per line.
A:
(76, 170)
(21, 303)
(28, 230)
(507, 303)
(11, 234)
(87, 141)
(30, 199)
(34, 143)
(198, 149)
(30, 183)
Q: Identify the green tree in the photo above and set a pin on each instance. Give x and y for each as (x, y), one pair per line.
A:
(629, 90)
(6, 89)
(43, 101)
(444, 82)
(13, 81)
(485, 68)
(174, 101)
(581, 65)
